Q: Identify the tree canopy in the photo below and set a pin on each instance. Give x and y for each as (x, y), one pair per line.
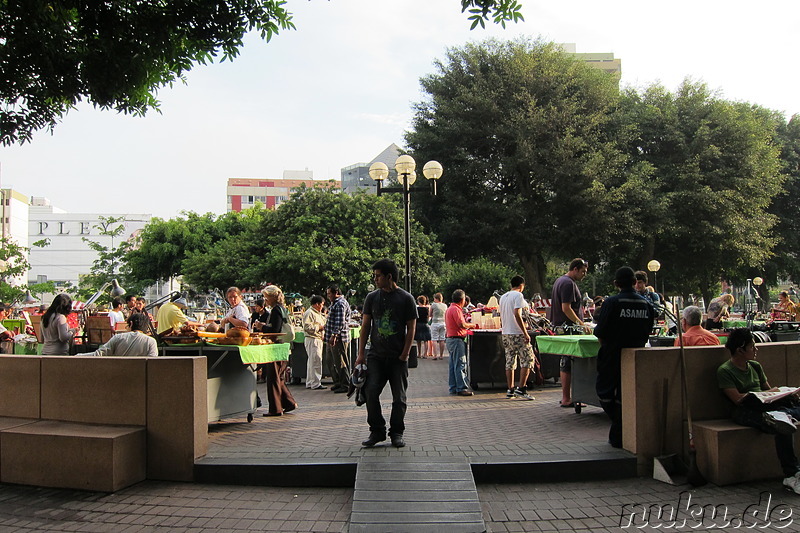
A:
(714, 170)
(117, 54)
(520, 129)
(315, 238)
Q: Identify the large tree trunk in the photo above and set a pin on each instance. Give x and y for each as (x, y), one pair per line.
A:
(534, 268)
(647, 254)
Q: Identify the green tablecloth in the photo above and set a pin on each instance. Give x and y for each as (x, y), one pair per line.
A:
(28, 349)
(11, 323)
(730, 324)
(573, 345)
(264, 353)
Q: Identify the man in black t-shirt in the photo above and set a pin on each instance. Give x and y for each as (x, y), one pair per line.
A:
(389, 320)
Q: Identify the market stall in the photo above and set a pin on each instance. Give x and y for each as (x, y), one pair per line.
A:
(583, 350)
(231, 374)
(486, 358)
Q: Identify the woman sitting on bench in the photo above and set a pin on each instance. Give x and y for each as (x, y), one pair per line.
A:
(741, 375)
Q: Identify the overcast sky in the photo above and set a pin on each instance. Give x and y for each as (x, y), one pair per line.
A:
(339, 89)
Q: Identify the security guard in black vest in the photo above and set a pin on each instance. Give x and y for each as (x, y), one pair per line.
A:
(625, 321)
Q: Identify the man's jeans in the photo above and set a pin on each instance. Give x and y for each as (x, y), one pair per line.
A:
(784, 444)
(458, 364)
(379, 371)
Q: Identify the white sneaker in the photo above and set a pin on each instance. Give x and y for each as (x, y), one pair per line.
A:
(523, 395)
(792, 483)
(780, 422)
(510, 393)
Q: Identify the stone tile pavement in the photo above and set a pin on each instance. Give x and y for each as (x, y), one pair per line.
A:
(437, 424)
(329, 425)
(581, 507)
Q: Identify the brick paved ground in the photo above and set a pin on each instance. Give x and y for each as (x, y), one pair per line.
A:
(437, 424)
(328, 424)
(584, 507)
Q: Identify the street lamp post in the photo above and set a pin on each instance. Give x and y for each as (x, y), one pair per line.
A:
(654, 266)
(406, 175)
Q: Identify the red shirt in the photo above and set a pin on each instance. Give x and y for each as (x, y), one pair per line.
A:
(454, 321)
(697, 336)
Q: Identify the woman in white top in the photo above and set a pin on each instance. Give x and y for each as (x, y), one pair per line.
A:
(115, 315)
(238, 316)
(438, 309)
(57, 336)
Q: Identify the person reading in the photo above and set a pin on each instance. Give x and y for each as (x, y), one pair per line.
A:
(741, 375)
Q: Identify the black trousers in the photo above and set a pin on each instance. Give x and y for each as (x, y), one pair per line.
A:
(381, 370)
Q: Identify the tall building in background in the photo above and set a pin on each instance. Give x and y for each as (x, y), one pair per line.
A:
(356, 177)
(67, 256)
(603, 61)
(243, 193)
(14, 222)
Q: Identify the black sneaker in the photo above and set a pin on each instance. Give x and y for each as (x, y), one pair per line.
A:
(522, 394)
(397, 441)
(374, 438)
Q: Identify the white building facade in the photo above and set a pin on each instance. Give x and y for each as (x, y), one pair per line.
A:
(67, 256)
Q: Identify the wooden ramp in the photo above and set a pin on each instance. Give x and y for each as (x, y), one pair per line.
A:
(415, 495)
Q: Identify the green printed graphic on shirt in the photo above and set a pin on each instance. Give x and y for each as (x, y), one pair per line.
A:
(386, 325)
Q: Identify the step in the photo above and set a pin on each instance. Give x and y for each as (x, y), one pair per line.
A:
(415, 494)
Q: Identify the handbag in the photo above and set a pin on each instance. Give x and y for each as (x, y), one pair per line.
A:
(287, 330)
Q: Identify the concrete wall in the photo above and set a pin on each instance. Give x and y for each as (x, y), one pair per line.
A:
(655, 423)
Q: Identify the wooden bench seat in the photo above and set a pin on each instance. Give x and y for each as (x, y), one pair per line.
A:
(729, 453)
(50, 453)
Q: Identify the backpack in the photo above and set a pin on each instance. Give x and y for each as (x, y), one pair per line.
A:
(287, 330)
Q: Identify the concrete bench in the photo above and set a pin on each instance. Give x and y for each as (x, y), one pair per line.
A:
(101, 423)
(51, 453)
(726, 452)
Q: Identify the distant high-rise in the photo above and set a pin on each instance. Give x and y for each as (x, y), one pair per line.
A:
(356, 177)
(243, 193)
(603, 61)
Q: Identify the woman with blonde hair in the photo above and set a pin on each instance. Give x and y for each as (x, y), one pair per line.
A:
(279, 399)
(718, 311)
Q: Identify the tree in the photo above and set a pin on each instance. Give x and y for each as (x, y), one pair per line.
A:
(520, 130)
(163, 245)
(714, 170)
(787, 204)
(13, 264)
(118, 54)
(109, 258)
(479, 278)
(315, 238)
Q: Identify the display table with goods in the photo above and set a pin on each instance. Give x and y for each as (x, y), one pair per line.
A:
(486, 358)
(231, 381)
(583, 351)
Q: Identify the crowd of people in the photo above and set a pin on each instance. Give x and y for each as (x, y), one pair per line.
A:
(393, 321)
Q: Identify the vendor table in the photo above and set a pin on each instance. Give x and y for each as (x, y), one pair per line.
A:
(731, 324)
(583, 350)
(231, 381)
(486, 358)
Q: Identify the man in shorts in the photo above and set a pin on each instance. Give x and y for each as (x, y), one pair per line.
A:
(516, 340)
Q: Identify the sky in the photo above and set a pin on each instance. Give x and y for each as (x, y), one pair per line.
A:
(340, 88)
